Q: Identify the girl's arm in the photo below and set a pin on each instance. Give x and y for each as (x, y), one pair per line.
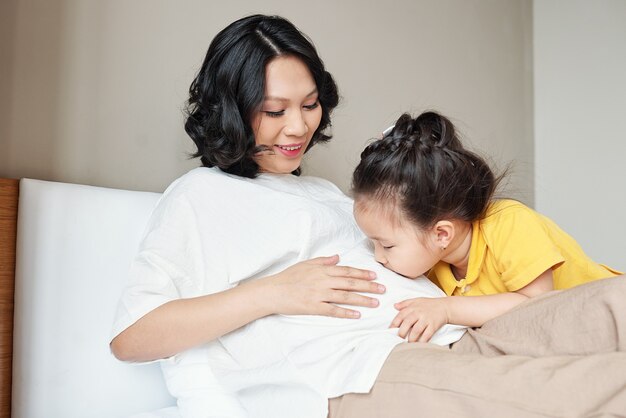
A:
(310, 287)
(420, 318)
(474, 311)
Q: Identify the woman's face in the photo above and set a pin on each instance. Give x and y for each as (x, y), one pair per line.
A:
(289, 115)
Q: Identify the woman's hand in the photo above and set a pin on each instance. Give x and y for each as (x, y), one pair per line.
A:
(420, 318)
(315, 286)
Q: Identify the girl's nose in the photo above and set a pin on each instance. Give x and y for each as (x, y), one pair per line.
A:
(379, 256)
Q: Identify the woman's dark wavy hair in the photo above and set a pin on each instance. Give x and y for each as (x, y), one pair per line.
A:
(422, 167)
(230, 87)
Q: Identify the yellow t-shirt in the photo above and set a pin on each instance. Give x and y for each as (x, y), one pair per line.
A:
(511, 246)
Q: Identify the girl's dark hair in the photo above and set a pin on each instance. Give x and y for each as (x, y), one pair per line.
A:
(230, 87)
(422, 167)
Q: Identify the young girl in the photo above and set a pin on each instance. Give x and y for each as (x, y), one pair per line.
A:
(427, 204)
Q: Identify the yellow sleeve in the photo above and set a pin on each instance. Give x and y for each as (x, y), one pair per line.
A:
(521, 246)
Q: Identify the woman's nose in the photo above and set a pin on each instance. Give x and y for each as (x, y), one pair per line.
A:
(296, 125)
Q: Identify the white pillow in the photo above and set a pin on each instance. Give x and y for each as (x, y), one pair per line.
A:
(74, 247)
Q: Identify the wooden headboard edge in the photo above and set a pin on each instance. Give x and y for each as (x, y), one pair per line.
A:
(9, 193)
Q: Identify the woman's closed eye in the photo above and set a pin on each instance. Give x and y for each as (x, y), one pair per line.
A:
(278, 113)
(274, 114)
(312, 106)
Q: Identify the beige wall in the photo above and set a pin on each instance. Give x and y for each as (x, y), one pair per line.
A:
(92, 91)
(580, 65)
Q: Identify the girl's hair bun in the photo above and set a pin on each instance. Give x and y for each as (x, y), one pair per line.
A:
(428, 130)
(403, 127)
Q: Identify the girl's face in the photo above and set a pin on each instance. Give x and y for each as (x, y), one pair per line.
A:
(398, 244)
(289, 115)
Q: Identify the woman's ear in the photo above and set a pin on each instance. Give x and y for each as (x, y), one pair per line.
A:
(443, 233)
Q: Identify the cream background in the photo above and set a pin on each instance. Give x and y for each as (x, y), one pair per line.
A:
(91, 91)
(580, 108)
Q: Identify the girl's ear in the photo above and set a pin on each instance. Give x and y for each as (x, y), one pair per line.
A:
(443, 233)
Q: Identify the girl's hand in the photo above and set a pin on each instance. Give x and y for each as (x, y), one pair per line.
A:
(420, 318)
(313, 287)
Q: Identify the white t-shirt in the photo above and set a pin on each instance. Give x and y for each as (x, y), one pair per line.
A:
(211, 230)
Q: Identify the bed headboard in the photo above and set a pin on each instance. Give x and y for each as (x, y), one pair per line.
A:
(9, 192)
(65, 251)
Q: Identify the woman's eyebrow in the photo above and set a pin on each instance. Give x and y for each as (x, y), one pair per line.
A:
(283, 99)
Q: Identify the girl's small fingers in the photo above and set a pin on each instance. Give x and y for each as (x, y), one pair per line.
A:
(397, 321)
(402, 305)
(427, 334)
(351, 272)
(405, 328)
(416, 332)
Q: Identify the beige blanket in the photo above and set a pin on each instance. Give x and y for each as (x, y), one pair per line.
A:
(559, 355)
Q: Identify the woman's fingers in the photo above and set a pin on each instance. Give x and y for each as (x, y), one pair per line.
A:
(351, 272)
(349, 298)
(338, 312)
(357, 285)
(344, 291)
(318, 285)
(342, 271)
(325, 261)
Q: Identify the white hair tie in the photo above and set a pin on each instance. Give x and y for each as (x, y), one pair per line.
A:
(388, 131)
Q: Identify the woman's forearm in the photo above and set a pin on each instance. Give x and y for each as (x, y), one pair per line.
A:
(311, 287)
(474, 311)
(184, 323)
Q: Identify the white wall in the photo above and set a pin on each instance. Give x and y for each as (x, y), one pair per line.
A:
(91, 91)
(580, 109)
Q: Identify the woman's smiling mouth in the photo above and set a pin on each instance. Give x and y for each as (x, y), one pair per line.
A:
(290, 150)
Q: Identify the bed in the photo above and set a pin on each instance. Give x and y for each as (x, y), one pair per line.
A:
(64, 254)
(55, 315)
